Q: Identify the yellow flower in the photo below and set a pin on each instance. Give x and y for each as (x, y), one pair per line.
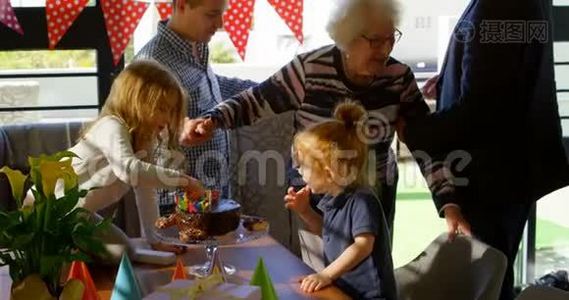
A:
(51, 169)
(17, 181)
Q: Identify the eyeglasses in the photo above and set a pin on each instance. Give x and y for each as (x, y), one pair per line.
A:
(376, 43)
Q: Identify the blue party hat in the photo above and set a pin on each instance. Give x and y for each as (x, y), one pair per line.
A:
(126, 286)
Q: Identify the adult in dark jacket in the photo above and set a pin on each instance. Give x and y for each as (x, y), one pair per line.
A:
(496, 100)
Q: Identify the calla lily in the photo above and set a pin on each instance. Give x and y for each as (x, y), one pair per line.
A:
(49, 232)
(50, 168)
(52, 171)
(17, 181)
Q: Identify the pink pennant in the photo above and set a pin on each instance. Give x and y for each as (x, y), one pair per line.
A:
(291, 11)
(121, 19)
(237, 21)
(60, 15)
(164, 9)
(8, 17)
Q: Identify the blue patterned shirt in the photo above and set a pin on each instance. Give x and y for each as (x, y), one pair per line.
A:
(189, 62)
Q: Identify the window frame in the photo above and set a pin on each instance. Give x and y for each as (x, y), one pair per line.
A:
(87, 32)
(526, 267)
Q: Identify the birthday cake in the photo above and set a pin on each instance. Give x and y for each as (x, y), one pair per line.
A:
(198, 219)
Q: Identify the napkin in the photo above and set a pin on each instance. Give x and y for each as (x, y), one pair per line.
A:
(211, 287)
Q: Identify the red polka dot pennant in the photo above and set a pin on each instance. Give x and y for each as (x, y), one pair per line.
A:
(237, 21)
(121, 19)
(164, 9)
(60, 15)
(291, 11)
(8, 17)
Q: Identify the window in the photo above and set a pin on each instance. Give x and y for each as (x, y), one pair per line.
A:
(425, 26)
(552, 225)
(561, 50)
(43, 85)
(30, 80)
(37, 3)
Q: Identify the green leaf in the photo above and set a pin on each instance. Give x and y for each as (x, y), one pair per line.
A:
(27, 212)
(103, 225)
(22, 241)
(81, 256)
(39, 238)
(66, 203)
(17, 183)
(50, 264)
(9, 219)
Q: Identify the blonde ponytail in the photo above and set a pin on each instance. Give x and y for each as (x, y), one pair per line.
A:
(325, 144)
(350, 113)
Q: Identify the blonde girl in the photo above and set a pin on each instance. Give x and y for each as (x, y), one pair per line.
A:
(332, 158)
(144, 110)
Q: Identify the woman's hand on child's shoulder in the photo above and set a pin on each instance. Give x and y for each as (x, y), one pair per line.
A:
(298, 201)
(314, 282)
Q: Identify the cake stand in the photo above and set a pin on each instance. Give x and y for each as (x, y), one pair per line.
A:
(210, 245)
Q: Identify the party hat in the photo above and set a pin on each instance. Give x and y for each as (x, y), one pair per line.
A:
(262, 279)
(126, 286)
(80, 272)
(180, 272)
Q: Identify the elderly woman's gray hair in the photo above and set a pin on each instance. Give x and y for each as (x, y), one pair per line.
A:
(350, 17)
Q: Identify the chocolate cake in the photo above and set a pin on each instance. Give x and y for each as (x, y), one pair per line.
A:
(198, 220)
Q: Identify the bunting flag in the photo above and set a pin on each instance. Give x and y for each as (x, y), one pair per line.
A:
(164, 9)
(237, 21)
(291, 11)
(80, 272)
(121, 19)
(60, 15)
(8, 17)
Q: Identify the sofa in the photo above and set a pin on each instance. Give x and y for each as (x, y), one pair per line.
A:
(259, 185)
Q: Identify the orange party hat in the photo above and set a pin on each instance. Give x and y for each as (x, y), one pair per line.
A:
(80, 272)
(180, 272)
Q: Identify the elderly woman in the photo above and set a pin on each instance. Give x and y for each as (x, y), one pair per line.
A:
(357, 67)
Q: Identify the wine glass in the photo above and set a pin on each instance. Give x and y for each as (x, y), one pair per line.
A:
(213, 260)
(210, 245)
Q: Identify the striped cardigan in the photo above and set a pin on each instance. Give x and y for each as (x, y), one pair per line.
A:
(313, 83)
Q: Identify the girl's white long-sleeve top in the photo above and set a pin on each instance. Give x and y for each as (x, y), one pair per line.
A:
(107, 162)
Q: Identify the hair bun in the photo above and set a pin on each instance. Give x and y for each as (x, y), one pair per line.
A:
(349, 112)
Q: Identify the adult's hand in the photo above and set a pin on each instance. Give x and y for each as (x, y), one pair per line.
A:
(456, 223)
(429, 90)
(196, 131)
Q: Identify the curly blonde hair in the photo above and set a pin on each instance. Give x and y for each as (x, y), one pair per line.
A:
(336, 145)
